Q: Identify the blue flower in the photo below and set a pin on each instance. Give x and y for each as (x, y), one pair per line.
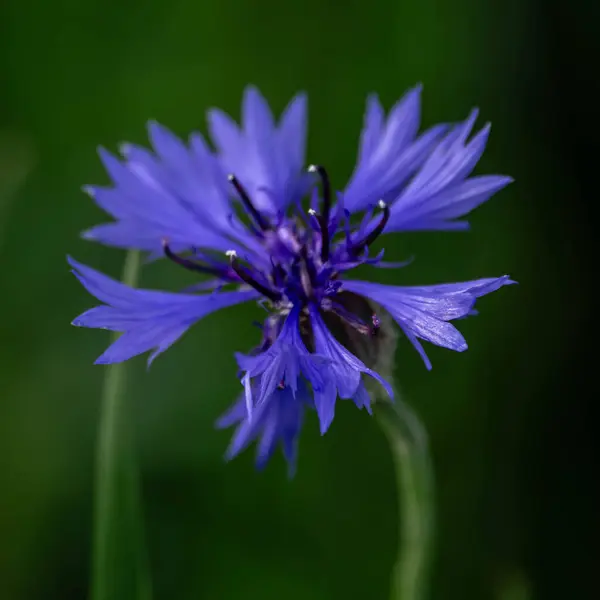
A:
(236, 215)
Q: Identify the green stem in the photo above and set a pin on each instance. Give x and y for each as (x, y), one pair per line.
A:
(414, 481)
(119, 567)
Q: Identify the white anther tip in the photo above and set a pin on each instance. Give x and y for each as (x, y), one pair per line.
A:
(230, 177)
(231, 253)
(381, 204)
(312, 212)
(312, 169)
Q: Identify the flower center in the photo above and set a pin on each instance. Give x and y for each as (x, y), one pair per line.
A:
(307, 251)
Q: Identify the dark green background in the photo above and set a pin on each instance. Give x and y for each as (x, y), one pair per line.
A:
(508, 420)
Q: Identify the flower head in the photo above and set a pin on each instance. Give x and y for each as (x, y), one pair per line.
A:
(237, 216)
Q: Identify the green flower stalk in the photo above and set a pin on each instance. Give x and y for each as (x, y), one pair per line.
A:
(119, 558)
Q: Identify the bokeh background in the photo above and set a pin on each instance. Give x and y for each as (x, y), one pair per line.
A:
(510, 420)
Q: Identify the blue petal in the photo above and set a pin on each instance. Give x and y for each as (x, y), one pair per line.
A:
(283, 362)
(344, 368)
(179, 194)
(362, 399)
(292, 132)
(440, 190)
(236, 413)
(149, 320)
(462, 198)
(256, 114)
(288, 363)
(267, 159)
(371, 132)
(140, 339)
(390, 151)
(476, 287)
(278, 420)
(424, 311)
(325, 396)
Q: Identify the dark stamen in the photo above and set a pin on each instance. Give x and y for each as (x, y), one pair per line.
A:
(243, 274)
(190, 264)
(351, 319)
(324, 218)
(376, 232)
(243, 194)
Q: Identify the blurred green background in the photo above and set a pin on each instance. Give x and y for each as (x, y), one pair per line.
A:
(509, 419)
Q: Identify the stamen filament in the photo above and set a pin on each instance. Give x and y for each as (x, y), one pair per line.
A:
(377, 231)
(190, 264)
(245, 198)
(324, 218)
(351, 319)
(245, 276)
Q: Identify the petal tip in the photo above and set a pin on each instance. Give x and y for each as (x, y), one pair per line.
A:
(252, 89)
(104, 154)
(125, 149)
(417, 89)
(73, 263)
(90, 190)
